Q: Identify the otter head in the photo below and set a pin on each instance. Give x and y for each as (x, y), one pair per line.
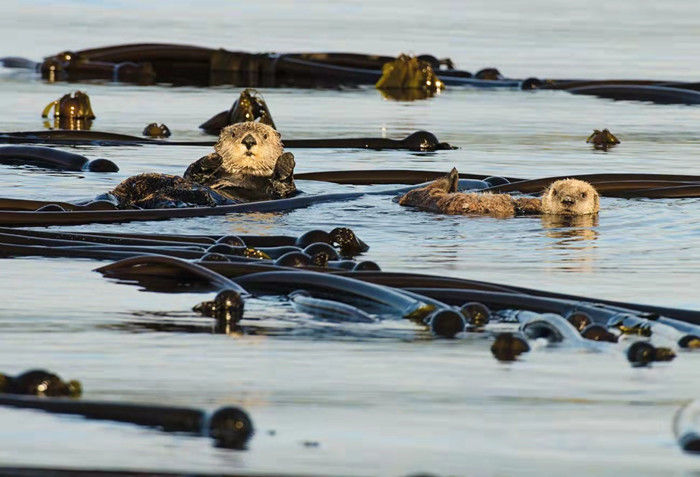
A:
(249, 148)
(570, 197)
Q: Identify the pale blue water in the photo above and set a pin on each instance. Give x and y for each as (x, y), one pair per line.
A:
(388, 402)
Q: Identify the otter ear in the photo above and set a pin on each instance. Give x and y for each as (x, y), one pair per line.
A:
(453, 180)
(278, 133)
(596, 200)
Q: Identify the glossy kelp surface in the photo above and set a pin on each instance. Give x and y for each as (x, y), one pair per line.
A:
(417, 141)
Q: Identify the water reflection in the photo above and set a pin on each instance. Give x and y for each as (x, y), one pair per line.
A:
(570, 229)
(71, 111)
(575, 235)
(70, 123)
(412, 94)
(268, 320)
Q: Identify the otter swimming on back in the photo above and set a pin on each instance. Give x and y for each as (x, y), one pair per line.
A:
(563, 197)
(248, 164)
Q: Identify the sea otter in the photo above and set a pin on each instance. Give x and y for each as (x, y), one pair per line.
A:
(248, 164)
(563, 197)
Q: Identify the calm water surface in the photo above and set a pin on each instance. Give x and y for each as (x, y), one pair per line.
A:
(384, 399)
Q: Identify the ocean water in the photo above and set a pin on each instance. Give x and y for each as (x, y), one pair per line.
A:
(388, 400)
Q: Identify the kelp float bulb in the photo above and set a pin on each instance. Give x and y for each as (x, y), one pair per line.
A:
(311, 237)
(507, 347)
(294, 259)
(214, 257)
(321, 253)
(689, 342)
(367, 265)
(224, 248)
(446, 323)
(227, 306)
(630, 325)
(641, 353)
(155, 130)
(231, 428)
(348, 243)
(598, 333)
(543, 329)
(341, 237)
(579, 319)
(477, 314)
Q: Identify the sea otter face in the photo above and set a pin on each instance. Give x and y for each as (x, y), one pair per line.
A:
(570, 197)
(249, 148)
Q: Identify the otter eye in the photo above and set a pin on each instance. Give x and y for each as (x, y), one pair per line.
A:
(583, 195)
(265, 136)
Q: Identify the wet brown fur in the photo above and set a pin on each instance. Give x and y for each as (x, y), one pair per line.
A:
(259, 160)
(235, 172)
(560, 198)
(570, 197)
(154, 190)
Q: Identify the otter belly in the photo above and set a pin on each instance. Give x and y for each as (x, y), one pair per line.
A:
(157, 191)
(254, 188)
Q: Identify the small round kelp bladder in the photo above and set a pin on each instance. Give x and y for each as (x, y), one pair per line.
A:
(348, 242)
(321, 253)
(477, 314)
(228, 305)
(579, 319)
(598, 333)
(231, 428)
(642, 353)
(446, 323)
(294, 259)
(508, 346)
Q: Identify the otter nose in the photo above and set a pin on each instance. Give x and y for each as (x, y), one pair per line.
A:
(249, 141)
(568, 200)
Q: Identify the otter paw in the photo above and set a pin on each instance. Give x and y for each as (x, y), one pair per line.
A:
(284, 168)
(202, 170)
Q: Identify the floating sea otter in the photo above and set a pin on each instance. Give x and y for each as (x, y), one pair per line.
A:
(563, 197)
(248, 164)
